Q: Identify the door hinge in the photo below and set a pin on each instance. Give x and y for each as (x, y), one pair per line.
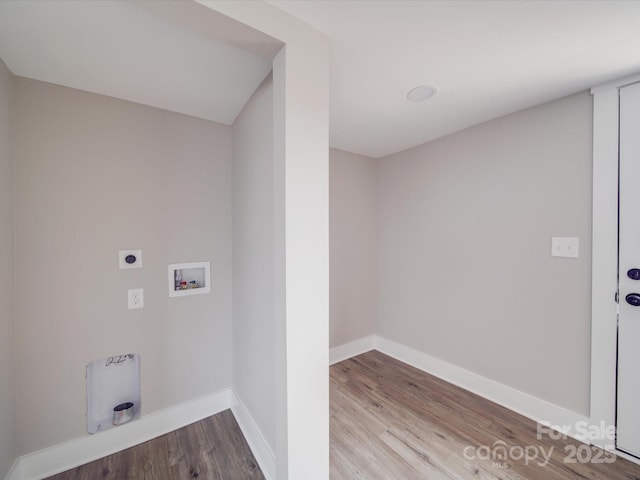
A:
(617, 297)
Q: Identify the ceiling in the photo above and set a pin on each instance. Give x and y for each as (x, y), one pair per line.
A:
(486, 58)
(163, 54)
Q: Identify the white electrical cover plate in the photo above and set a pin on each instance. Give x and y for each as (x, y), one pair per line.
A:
(135, 298)
(110, 382)
(564, 247)
(122, 258)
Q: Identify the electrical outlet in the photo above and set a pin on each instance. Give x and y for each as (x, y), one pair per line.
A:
(135, 298)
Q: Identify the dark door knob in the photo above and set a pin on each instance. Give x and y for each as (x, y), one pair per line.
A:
(633, 299)
(634, 274)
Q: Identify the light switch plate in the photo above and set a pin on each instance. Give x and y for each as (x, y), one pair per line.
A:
(567, 247)
(125, 257)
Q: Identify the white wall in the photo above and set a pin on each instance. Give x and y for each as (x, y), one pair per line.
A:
(254, 334)
(353, 241)
(7, 231)
(301, 92)
(95, 175)
(301, 141)
(301, 251)
(466, 275)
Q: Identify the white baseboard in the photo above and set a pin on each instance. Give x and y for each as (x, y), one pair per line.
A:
(259, 446)
(56, 459)
(14, 471)
(523, 403)
(351, 349)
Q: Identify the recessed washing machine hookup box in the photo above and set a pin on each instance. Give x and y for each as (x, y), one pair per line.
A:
(189, 278)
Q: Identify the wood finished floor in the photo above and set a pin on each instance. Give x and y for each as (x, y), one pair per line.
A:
(211, 449)
(390, 421)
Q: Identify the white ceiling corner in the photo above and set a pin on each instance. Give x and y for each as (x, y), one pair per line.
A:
(487, 58)
(125, 50)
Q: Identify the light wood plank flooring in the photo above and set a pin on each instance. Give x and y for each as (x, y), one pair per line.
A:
(211, 449)
(390, 421)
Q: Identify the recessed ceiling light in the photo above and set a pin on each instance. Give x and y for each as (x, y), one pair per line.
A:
(421, 93)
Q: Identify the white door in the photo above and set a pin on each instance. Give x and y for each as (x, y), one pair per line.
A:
(628, 394)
